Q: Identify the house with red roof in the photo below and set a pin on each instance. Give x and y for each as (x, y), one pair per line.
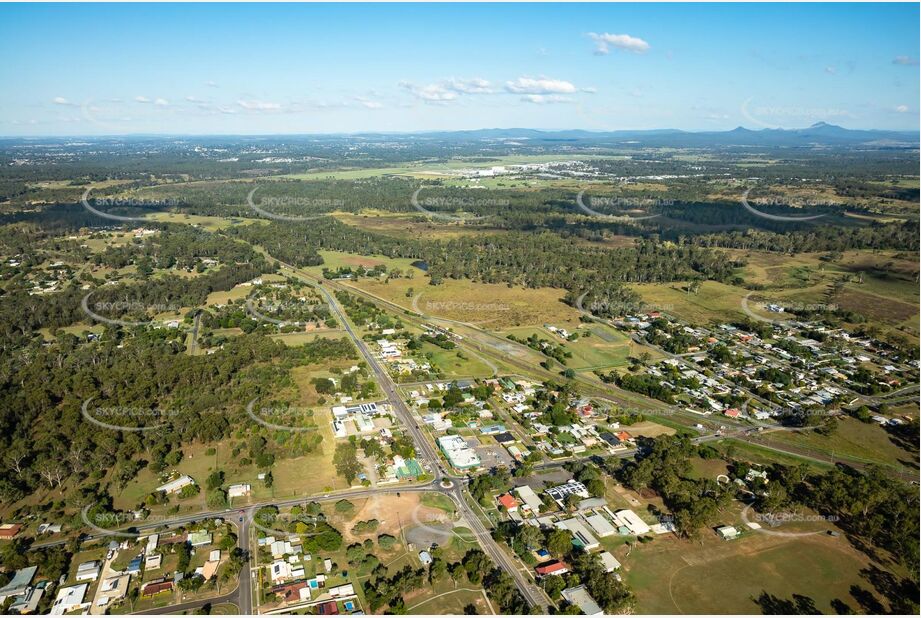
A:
(554, 567)
(509, 502)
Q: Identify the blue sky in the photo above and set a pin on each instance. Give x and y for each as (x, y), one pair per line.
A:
(233, 68)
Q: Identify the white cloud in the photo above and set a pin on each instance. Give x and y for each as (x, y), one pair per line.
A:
(902, 109)
(161, 102)
(621, 41)
(543, 99)
(541, 85)
(194, 99)
(211, 84)
(368, 103)
(141, 99)
(259, 106)
(469, 86)
(432, 93)
(61, 101)
(907, 61)
(831, 70)
(590, 90)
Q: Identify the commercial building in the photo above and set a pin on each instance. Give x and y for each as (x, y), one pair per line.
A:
(458, 453)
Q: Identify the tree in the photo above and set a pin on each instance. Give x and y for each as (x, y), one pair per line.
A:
(559, 542)
(345, 459)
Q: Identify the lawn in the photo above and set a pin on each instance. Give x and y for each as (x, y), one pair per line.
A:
(672, 576)
(867, 442)
(488, 305)
(452, 365)
(604, 348)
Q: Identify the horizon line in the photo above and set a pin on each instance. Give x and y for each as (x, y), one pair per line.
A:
(433, 131)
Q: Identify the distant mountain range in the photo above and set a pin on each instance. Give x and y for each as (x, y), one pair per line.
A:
(819, 134)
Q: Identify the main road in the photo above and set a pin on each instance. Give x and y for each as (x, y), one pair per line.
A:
(451, 485)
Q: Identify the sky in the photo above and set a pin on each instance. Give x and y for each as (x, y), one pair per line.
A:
(109, 69)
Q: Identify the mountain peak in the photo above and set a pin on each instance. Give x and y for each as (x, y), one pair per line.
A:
(824, 125)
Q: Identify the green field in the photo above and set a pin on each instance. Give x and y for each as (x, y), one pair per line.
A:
(672, 576)
(867, 442)
(594, 351)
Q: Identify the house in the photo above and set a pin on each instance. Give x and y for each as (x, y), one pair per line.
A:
(580, 597)
(504, 438)
(732, 413)
(609, 562)
(330, 608)
(727, 533)
(610, 438)
(8, 531)
(176, 485)
(280, 571)
(509, 502)
(425, 558)
(28, 603)
(113, 589)
(49, 528)
(152, 562)
(156, 587)
(554, 567)
(239, 491)
(345, 590)
(199, 538)
(88, 571)
(530, 499)
(68, 599)
(19, 584)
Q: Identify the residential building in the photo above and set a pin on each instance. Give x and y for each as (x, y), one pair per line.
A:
(580, 597)
(68, 599)
(530, 499)
(554, 567)
(176, 485)
(88, 571)
(509, 502)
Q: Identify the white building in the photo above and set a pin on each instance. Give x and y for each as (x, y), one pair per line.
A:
(68, 599)
(579, 596)
(88, 571)
(239, 490)
(176, 485)
(631, 521)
